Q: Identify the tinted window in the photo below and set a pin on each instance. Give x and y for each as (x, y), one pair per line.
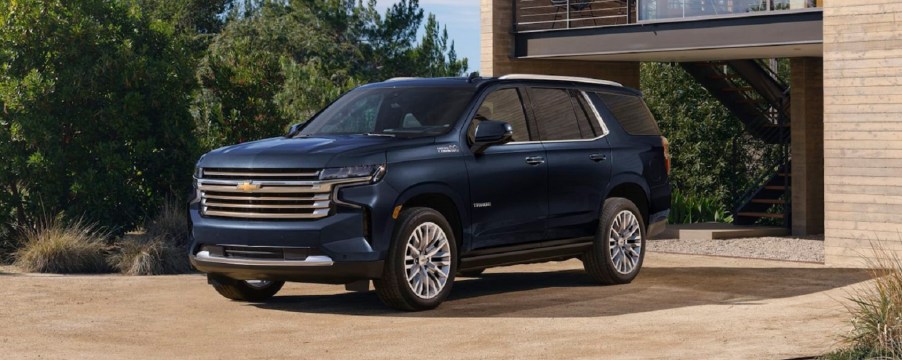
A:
(593, 120)
(554, 114)
(503, 105)
(410, 111)
(632, 113)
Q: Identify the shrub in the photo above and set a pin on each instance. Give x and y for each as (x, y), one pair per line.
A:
(54, 246)
(149, 256)
(170, 224)
(688, 209)
(161, 250)
(877, 313)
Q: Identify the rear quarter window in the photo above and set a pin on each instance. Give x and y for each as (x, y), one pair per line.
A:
(632, 113)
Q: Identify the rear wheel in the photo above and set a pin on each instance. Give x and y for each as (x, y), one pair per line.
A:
(244, 290)
(421, 263)
(619, 247)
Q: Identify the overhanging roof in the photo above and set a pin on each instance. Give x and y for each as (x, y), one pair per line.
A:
(778, 34)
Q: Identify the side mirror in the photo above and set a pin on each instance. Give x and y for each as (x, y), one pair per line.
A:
(491, 132)
(294, 130)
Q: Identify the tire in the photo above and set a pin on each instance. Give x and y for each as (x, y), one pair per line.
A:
(471, 273)
(616, 261)
(411, 280)
(241, 290)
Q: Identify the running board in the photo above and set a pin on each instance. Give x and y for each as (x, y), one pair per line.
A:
(523, 254)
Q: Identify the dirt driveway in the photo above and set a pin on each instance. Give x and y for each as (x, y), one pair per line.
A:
(680, 306)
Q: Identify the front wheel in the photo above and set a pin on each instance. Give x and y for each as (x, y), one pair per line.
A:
(619, 247)
(421, 263)
(244, 290)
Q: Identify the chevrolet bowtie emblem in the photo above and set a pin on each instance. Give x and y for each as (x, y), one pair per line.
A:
(248, 186)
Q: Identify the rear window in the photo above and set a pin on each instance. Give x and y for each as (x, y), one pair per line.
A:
(632, 113)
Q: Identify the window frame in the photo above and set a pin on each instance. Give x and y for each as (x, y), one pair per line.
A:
(594, 112)
(531, 126)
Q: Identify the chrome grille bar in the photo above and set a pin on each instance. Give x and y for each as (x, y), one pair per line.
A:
(267, 194)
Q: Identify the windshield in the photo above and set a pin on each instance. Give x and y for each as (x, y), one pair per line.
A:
(408, 112)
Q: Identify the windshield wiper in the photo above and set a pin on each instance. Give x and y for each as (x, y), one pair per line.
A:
(382, 134)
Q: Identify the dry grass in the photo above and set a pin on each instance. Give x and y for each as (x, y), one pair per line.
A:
(161, 250)
(144, 255)
(170, 223)
(876, 313)
(55, 246)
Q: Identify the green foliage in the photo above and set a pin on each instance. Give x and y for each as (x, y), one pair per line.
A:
(55, 246)
(695, 209)
(94, 119)
(279, 62)
(713, 157)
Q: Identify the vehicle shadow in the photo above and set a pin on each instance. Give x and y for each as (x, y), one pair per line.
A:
(571, 293)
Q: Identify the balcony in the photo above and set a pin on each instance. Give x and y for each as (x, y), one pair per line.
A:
(667, 30)
(539, 15)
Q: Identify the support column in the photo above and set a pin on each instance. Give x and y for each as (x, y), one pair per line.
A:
(497, 39)
(807, 133)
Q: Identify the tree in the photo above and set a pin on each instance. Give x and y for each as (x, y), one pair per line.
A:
(713, 155)
(94, 119)
(278, 62)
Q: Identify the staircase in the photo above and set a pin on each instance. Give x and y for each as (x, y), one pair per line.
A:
(758, 98)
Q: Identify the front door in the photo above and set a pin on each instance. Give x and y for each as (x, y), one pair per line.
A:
(509, 182)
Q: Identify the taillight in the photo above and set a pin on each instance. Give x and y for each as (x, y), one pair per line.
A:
(666, 154)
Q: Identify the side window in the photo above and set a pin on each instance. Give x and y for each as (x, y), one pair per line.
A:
(503, 105)
(591, 115)
(554, 114)
(632, 113)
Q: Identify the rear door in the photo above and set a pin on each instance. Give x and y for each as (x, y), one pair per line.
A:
(579, 160)
(508, 183)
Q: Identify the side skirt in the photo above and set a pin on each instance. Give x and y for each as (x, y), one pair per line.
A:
(527, 253)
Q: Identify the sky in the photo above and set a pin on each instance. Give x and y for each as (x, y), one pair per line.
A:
(461, 17)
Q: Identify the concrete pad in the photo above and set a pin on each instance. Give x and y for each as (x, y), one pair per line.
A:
(712, 231)
(679, 307)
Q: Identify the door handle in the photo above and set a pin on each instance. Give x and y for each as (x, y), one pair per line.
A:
(598, 157)
(535, 160)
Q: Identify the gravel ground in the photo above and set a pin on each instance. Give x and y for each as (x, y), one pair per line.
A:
(807, 248)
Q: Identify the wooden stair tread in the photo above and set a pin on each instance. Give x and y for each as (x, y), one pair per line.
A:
(761, 215)
(775, 187)
(769, 201)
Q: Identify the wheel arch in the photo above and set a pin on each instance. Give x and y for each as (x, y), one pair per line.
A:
(633, 189)
(439, 198)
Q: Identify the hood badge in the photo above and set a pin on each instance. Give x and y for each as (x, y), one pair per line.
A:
(248, 186)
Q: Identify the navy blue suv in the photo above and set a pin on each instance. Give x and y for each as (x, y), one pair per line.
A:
(410, 183)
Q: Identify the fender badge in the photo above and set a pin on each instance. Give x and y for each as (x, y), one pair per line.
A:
(444, 149)
(248, 186)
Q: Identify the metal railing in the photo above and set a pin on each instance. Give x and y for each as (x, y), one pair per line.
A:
(533, 15)
(537, 15)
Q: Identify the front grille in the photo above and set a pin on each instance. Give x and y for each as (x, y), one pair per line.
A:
(264, 193)
(244, 252)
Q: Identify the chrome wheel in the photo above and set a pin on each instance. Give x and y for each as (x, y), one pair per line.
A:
(625, 242)
(258, 284)
(427, 260)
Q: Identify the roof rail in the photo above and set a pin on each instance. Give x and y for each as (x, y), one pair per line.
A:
(403, 78)
(559, 78)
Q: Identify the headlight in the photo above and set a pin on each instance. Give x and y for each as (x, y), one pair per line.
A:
(374, 172)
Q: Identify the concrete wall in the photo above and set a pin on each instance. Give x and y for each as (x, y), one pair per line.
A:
(497, 40)
(807, 114)
(862, 128)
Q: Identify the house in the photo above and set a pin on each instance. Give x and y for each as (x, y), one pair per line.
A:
(839, 118)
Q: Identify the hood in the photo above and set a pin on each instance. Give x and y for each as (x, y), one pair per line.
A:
(307, 152)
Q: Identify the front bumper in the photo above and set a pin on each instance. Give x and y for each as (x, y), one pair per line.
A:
(316, 269)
